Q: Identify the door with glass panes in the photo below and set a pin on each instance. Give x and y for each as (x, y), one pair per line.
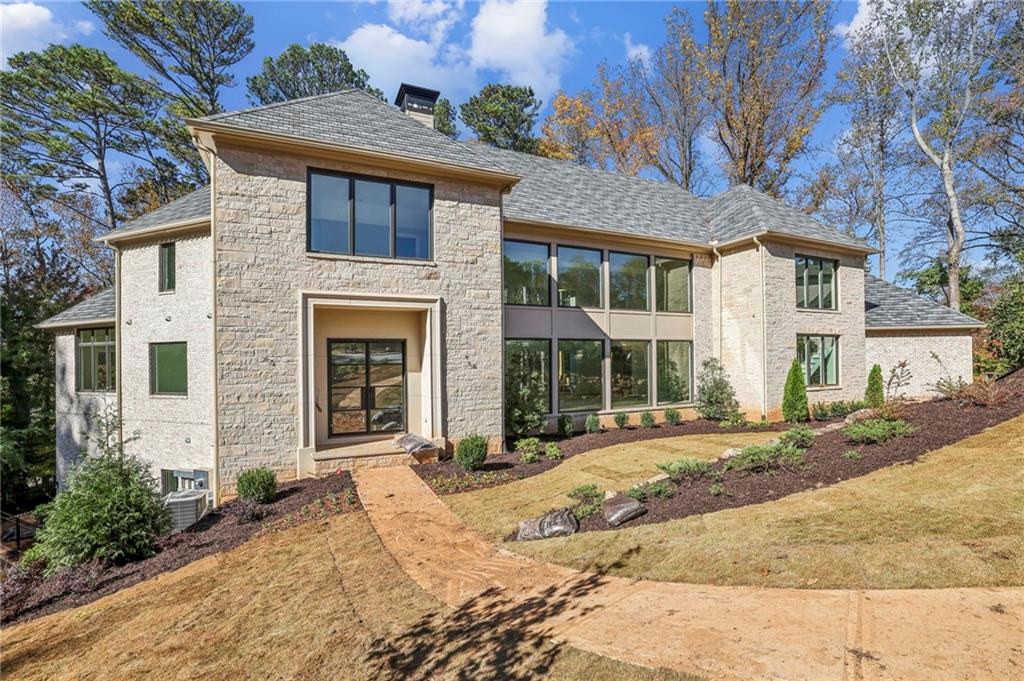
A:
(366, 384)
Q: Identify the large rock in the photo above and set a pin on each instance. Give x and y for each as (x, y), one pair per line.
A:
(560, 523)
(859, 415)
(621, 509)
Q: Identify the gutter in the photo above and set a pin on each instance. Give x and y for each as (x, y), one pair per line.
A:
(180, 225)
(77, 323)
(823, 243)
(943, 327)
(704, 247)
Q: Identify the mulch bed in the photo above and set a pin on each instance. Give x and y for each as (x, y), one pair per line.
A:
(26, 595)
(506, 467)
(938, 423)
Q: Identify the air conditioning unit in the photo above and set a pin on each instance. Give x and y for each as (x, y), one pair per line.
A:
(186, 507)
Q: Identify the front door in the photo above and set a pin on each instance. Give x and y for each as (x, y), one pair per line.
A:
(366, 382)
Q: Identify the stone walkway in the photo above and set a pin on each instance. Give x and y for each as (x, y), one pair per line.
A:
(723, 633)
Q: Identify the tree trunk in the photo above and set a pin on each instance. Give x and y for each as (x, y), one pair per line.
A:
(954, 237)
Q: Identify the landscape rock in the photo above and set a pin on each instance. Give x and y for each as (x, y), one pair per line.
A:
(560, 523)
(729, 453)
(858, 415)
(657, 478)
(620, 509)
(832, 426)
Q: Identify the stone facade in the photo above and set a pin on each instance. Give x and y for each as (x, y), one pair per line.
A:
(75, 411)
(736, 310)
(930, 355)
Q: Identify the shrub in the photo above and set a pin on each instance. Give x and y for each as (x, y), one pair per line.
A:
(716, 398)
(899, 378)
(798, 436)
(853, 455)
(983, 392)
(647, 420)
(471, 452)
(644, 491)
(794, 396)
(552, 452)
(874, 396)
(637, 492)
(717, 489)
(529, 457)
(588, 500)
(842, 408)
(525, 393)
(766, 458)
(673, 417)
(876, 431)
(566, 427)
(528, 445)
(821, 411)
(891, 410)
(593, 424)
(621, 420)
(734, 420)
(257, 484)
(683, 469)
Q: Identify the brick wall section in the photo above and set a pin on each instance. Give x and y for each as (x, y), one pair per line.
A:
(703, 333)
(740, 324)
(74, 410)
(174, 432)
(954, 350)
(262, 263)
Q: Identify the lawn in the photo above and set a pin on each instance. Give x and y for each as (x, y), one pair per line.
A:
(496, 511)
(322, 600)
(954, 518)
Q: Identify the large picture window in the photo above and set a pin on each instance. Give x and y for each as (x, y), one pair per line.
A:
(672, 285)
(675, 368)
(629, 284)
(95, 360)
(579, 277)
(528, 371)
(630, 375)
(168, 368)
(816, 283)
(363, 216)
(526, 273)
(819, 357)
(579, 375)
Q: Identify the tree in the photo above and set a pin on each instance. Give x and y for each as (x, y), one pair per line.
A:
(933, 282)
(716, 398)
(444, 118)
(568, 132)
(503, 116)
(1006, 322)
(874, 394)
(300, 72)
(794, 396)
(619, 125)
(763, 68)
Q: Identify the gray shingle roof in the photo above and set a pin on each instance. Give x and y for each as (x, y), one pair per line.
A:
(743, 210)
(194, 206)
(888, 305)
(96, 308)
(356, 119)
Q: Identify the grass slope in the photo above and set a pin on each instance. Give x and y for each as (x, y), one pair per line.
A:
(955, 518)
(323, 600)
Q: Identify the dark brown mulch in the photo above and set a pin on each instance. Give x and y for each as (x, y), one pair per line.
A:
(26, 595)
(938, 423)
(509, 468)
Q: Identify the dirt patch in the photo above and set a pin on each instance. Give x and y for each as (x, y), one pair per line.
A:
(26, 595)
(937, 423)
(448, 477)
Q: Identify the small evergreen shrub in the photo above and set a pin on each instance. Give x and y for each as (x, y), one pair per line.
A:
(566, 427)
(637, 492)
(684, 469)
(258, 485)
(716, 399)
(734, 420)
(761, 424)
(821, 411)
(621, 420)
(588, 500)
(552, 452)
(794, 396)
(471, 452)
(798, 436)
(647, 420)
(673, 417)
(876, 431)
(529, 457)
(528, 445)
(853, 455)
(874, 395)
(717, 489)
(645, 491)
(766, 459)
(593, 424)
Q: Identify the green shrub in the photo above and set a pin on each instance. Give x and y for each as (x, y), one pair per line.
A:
(593, 424)
(853, 455)
(716, 398)
(843, 408)
(821, 411)
(528, 445)
(552, 452)
(734, 420)
(647, 420)
(761, 424)
(621, 420)
(683, 469)
(766, 458)
(673, 417)
(874, 396)
(637, 492)
(529, 457)
(876, 431)
(588, 500)
(794, 396)
(644, 491)
(566, 427)
(257, 484)
(798, 436)
(471, 452)
(525, 393)
(717, 489)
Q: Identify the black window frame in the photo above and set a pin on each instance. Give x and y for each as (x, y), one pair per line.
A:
(393, 232)
(550, 276)
(152, 373)
(162, 271)
(551, 362)
(805, 366)
(804, 286)
(647, 282)
(110, 345)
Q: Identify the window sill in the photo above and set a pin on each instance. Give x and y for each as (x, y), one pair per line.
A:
(166, 293)
(168, 396)
(100, 393)
(370, 259)
(823, 388)
(814, 311)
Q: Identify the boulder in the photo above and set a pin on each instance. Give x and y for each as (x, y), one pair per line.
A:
(620, 509)
(859, 415)
(657, 478)
(729, 453)
(560, 523)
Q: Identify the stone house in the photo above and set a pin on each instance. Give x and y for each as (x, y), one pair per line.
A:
(350, 273)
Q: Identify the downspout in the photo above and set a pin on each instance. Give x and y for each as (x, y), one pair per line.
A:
(764, 336)
(117, 344)
(209, 154)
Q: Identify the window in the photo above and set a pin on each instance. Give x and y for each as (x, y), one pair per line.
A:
(672, 285)
(528, 365)
(629, 286)
(674, 371)
(630, 381)
(95, 356)
(167, 267)
(579, 277)
(526, 273)
(579, 375)
(364, 216)
(168, 369)
(816, 283)
(173, 480)
(819, 357)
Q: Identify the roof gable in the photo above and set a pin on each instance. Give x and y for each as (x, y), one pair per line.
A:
(96, 308)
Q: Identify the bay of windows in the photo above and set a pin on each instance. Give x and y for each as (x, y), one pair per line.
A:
(526, 273)
(629, 285)
(816, 283)
(579, 375)
(630, 383)
(579, 277)
(95, 356)
(819, 357)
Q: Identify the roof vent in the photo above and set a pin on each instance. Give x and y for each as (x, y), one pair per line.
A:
(417, 102)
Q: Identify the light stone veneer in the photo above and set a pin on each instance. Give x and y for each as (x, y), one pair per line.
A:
(174, 431)
(953, 349)
(262, 265)
(75, 411)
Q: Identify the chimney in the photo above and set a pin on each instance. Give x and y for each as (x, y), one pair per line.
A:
(417, 102)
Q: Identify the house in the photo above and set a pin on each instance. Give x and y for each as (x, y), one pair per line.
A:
(350, 274)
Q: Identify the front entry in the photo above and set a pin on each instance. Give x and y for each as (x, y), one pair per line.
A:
(366, 381)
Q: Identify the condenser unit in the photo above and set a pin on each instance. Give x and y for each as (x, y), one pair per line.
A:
(186, 507)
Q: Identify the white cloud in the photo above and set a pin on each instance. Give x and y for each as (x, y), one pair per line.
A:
(861, 19)
(636, 51)
(433, 18)
(26, 26)
(85, 27)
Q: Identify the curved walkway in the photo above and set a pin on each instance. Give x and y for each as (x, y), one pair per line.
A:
(728, 633)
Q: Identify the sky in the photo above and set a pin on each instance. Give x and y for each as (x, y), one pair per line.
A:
(448, 45)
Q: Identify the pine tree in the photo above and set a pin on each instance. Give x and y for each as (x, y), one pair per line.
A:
(874, 396)
(794, 399)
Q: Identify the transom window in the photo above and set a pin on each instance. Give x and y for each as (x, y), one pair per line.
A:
(364, 216)
(526, 273)
(819, 357)
(816, 283)
(95, 355)
(629, 281)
